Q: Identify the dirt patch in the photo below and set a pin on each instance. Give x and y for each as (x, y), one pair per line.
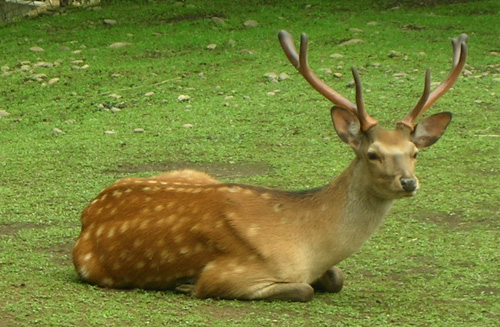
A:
(13, 228)
(218, 170)
(453, 221)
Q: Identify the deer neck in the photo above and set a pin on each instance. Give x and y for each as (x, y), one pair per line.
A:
(351, 211)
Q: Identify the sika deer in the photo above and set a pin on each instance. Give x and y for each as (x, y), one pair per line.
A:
(185, 230)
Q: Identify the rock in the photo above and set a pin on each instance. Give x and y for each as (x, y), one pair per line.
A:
(183, 98)
(115, 110)
(326, 71)
(187, 126)
(336, 56)
(351, 42)
(115, 96)
(107, 21)
(398, 75)
(467, 73)
(38, 77)
(211, 46)
(119, 45)
(394, 54)
(250, 23)
(57, 131)
(36, 49)
(218, 21)
(139, 130)
(53, 81)
(5, 68)
(355, 30)
(109, 132)
(148, 94)
(229, 97)
(4, 113)
(283, 76)
(337, 75)
(271, 76)
(43, 64)
(25, 68)
(270, 94)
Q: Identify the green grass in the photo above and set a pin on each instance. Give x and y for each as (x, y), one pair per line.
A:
(433, 263)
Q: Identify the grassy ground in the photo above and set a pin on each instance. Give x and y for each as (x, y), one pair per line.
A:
(435, 262)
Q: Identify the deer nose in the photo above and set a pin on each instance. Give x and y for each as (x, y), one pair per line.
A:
(409, 184)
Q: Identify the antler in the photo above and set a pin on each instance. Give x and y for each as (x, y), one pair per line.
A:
(459, 57)
(300, 63)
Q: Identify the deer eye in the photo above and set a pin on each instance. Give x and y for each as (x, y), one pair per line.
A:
(415, 155)
(373, 156)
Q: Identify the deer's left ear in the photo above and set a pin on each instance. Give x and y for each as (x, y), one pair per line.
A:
(429, 130)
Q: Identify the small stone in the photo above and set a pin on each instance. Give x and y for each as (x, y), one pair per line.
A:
(376, 64)
(115, 110)
(187, 126)
(4, 113)
(398, 75)
(231, 43)
(394, 54)
(478, 101)
(355, 30)
(5, 68)
(467, 73)
(164, 101)
(218, 21)
(109, 132)
(76, 52)
(372, 23)
(38, 77)
(148, 94)
(139, 130)
(229, 97)
(351, 42)
(25, 68)
(119, 45)
(496, 79)
(36, 49)
(326, 71)
(115, 96)
(183, 98)
(78, 62)
(246, 97)
(283, 76)
(56, 131)
(337, 75)
(64, 48)
(250, 23)
(336, 56)
(270, 94)
(43, 64)
(211, 46)
(271, 76)
(107, 21)
(100, 106)
(53, 81)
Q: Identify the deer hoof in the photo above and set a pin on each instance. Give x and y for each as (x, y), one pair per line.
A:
(331, 281)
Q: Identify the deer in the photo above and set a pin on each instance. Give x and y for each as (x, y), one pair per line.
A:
(185, 231)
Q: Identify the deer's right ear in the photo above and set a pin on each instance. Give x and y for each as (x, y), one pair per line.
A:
(347, 126)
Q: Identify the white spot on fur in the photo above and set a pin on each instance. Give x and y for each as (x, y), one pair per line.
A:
(87, 257)
(99, 231)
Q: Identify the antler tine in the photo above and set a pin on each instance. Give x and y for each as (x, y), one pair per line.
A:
(412, 116)
(458, 63)
(300, 63)
(366, 120)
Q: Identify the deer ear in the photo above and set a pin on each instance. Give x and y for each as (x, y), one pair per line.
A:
(347, 126)
(429, 130)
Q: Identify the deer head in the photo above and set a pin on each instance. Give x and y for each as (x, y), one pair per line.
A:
(389, 155)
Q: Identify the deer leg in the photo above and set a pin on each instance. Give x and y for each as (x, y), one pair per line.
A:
(331, 281)
(225, 280)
